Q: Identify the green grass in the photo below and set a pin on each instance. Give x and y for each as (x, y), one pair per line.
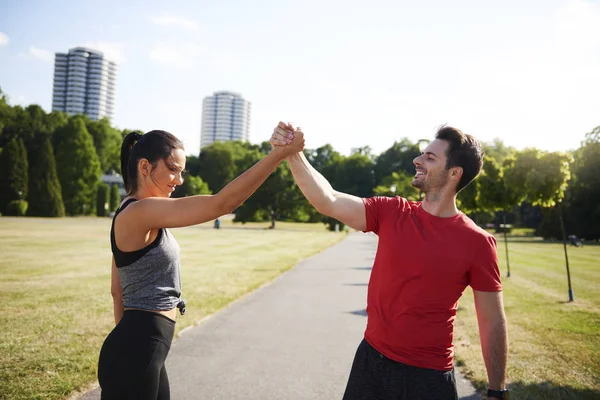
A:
(55, 303)
(554, 345)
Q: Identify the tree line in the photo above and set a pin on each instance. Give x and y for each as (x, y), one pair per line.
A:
(51, 165)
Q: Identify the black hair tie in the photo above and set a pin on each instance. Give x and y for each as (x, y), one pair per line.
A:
(137, 136)
(181, 306)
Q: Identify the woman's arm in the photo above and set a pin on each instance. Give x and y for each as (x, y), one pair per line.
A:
(155, 212)
(117, 292)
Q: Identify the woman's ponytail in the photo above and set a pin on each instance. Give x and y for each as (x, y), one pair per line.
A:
(129, 174)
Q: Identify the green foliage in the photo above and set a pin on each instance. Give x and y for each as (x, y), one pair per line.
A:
(107, 141)
(192, 185)
(192, 164)
(354, 174)
(102, 200)
(16, 208)
(7, 115)
(498, 151)
(83, 148)
(398, 183)
(115, 198)
(77, 166)
(468, 198)
(13, 179)
(218, 164)
(397, 158)
(45, 198)
(582, 198)
(548, 180)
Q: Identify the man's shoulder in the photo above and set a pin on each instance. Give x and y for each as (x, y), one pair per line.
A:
(396, 202)
(475, 230)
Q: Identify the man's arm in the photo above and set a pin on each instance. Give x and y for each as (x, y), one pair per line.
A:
(493, 336)
(344, 207)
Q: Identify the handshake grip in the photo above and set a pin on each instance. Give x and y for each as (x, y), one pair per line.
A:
(288, 138)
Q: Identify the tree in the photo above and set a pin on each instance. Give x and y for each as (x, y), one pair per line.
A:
(397, 158)
(584, 203)
(107, 142)
(45, 199)
(325, 160)
(192, 185)
(495, 194)
(217, 165)
(548, 190)
(7, 115)
(542, 179)
(77, 166)
(353, 175)
(192, 164)
(398, 183)
(102, 200)
(13, 179)
(115, 198)
(498, 150)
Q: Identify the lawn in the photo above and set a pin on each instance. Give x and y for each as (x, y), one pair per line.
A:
(554, 345)
(55, 303)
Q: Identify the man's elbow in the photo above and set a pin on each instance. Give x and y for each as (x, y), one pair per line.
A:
(325, 205)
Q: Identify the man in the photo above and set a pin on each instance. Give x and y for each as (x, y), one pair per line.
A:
(428, 253)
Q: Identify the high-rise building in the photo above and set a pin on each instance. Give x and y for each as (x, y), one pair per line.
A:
(84, 83)
(225, 116)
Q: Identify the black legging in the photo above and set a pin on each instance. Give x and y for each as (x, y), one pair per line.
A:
(132, 359)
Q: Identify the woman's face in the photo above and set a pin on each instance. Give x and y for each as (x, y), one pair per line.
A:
(165, 176)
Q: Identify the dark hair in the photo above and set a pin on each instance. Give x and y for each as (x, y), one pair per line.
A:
(463, 151)
(153, 146)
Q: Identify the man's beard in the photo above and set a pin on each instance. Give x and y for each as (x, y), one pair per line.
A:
(431, 182)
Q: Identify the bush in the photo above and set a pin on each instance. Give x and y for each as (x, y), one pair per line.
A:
(115, 198)
(102, 200)
(17, 208)
(45, 198)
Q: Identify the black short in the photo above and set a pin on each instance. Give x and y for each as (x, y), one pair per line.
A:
(132, 359)
(376, 377)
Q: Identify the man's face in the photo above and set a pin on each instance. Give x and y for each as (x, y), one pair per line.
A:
(431, 167)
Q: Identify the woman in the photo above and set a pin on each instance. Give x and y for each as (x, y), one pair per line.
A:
(145, 281)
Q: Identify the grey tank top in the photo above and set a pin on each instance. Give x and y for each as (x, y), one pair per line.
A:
(150, 277)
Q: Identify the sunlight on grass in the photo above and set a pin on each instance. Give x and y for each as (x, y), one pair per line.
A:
(554, 345)
(55, 303)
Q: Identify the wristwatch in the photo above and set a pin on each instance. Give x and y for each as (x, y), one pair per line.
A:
(498, 394)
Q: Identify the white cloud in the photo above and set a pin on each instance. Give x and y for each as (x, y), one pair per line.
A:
(177, 21)
(179, 55)
(4, 39)
(114, 51)
(41, 54)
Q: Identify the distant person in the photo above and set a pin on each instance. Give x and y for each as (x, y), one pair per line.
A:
(145, 273)
(428, 253)
(575, 241)
(217, 224)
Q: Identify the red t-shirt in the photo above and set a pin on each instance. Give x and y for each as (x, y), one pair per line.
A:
(422, 266)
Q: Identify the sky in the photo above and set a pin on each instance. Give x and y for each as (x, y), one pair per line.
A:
(350, 73)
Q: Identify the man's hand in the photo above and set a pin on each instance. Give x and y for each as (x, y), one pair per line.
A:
(287, 140)
(283, 134)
